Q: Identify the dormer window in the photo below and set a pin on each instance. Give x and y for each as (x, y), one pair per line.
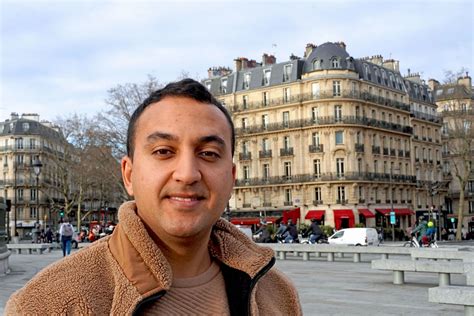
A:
(287, 73)
(317, 64)
(224, 85)
(266, 77)
(208, 85)
(368, 75)
(335, 63)
(377, 75)
(26, 126)
(384, 77)
(246, 84)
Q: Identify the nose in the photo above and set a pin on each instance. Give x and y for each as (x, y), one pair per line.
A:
(187, 169)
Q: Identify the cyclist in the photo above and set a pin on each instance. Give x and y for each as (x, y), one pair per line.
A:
(429, 235)
(421, 228)
(315, 231)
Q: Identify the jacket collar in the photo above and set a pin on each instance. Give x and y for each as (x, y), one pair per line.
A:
(146, 267)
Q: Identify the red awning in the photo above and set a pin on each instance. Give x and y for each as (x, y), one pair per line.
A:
(398, 211)
(245, 220)
(294, 215)
(343, 213)
(366, 212)
(271, 219)
(318, 215)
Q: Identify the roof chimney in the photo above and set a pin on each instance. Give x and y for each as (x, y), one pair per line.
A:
(309, 49)
(268, 60)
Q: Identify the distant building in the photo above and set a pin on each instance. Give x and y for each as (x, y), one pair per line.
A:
(23, 141)
(331, 137)
(456, 105)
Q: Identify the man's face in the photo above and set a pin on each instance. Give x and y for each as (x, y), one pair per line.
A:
(182, 173)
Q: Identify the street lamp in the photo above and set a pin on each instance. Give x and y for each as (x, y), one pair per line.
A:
(37, 169)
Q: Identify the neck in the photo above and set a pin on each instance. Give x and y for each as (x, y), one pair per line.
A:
(188, 257)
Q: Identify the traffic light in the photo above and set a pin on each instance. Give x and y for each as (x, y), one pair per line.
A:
(61, 213)
(9, 205)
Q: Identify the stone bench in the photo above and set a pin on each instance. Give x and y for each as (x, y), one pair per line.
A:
(305, 250)
(457, 295)
(399, 267)
(39, 248)
(442, 254)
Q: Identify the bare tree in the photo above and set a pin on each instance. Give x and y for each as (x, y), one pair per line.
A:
(451, 77)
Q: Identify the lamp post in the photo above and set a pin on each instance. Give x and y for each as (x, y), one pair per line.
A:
(37, 169)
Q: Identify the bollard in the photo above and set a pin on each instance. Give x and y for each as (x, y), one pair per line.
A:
(356, 257)
(444, 279)
(398, 277)
(305, 256)
(330, 256)
(282, 255)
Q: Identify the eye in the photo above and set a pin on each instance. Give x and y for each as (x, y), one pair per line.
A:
(162, 152)
(210, 155)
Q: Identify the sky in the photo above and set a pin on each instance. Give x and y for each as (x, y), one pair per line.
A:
(61, 57)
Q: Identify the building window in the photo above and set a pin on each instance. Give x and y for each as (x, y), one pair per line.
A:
(287, 73)
(244, 122)
(286, 119)
(224, 85)
(341, 194)
(19, 143)
(286, 142)
(246, 84)
(335, 63)
(317, 167)
(376, 166)
(245, 147)
(287, 169)
(315, 90)
(266, 99)
(288, 198)
(266, 77)
(315, 138)
(265, 121)
(20, 194)
(266, 171)
(317, 64)
(265, 144)
(340, 167)
(359, 165)
(338, 113)
(32, 143)
(339, 137)
(315, 114)
(26, 126)
(20, 160)
(317, 194)
(358, 137)
(336, 88)
(245, 102)
(286, 95)
(246, 172)
(368, 75)
(377, 75)
(208, 85)
(33, 212)
(33, 194)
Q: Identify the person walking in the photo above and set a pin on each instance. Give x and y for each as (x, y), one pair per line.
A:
(66, 231)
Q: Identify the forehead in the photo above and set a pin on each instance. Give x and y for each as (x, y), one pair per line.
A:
(183, 115)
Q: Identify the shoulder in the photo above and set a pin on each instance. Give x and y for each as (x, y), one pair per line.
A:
(64, 281)
(276, 294)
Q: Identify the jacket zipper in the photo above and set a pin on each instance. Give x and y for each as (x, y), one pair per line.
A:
(255, 280)
(146, 300)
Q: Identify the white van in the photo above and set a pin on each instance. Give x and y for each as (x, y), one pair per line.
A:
(355, 237)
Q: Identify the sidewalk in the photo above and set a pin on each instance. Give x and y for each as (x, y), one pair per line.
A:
(325, 288)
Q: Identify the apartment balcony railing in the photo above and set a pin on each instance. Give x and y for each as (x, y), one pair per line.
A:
(376, 150)
(316, 148)
(246, 205)
(407, 154)
(267, 204)
(326, 94)
(342, 202)
(401, 153)
(317, 202)
(265, 153)
(361, 200)
(325, 120)
(378, 201)
(385, 151)
(426, 117)
(393, 152)
(287, 203)
(326, 177)
(286, 151)
(245, 156)
(409, 201)
(359, 148)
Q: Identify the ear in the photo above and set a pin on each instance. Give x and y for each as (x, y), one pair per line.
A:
(127, 166)
(233, 173)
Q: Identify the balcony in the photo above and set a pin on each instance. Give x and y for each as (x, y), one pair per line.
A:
(325, 120)
(265, 154)
(267, 204)
(377, 201)
(407, 154)
(287, 203)
(286, 151)
(246, 205)
(376, 150)
(402, 201)
(316, 148)
(393, 152)
(245, 156)
(385, 151)
(359, 148)
(400, 153)
(342, 202)
(317, 202)
(409, 201)
(361, 200)
(426, 117)
(417, 159)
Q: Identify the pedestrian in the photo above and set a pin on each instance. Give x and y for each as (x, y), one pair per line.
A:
(49, 234)
(170, 253)
(66, 231)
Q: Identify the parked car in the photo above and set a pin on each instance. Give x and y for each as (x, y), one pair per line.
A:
(355, 237)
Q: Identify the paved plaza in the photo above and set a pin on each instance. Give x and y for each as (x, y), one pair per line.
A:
(325, 288)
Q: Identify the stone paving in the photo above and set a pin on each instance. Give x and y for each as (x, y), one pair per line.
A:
(325, 288)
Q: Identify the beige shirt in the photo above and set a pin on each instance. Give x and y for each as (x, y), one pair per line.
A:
(204, 294)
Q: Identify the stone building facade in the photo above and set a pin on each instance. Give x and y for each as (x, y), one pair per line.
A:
(328, 136)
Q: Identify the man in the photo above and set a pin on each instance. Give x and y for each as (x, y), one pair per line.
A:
(292, 231)
(420, 229)
(170, 253)
(315, 231)
(265, 236)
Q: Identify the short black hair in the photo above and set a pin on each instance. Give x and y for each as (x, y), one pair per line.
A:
(188, 88)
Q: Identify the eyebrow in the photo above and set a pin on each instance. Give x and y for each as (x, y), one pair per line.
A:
(165, 136)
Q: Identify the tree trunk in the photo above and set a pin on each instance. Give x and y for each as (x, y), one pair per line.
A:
(460, 213)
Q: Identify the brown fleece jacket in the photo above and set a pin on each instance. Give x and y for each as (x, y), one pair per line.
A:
(115, 273)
